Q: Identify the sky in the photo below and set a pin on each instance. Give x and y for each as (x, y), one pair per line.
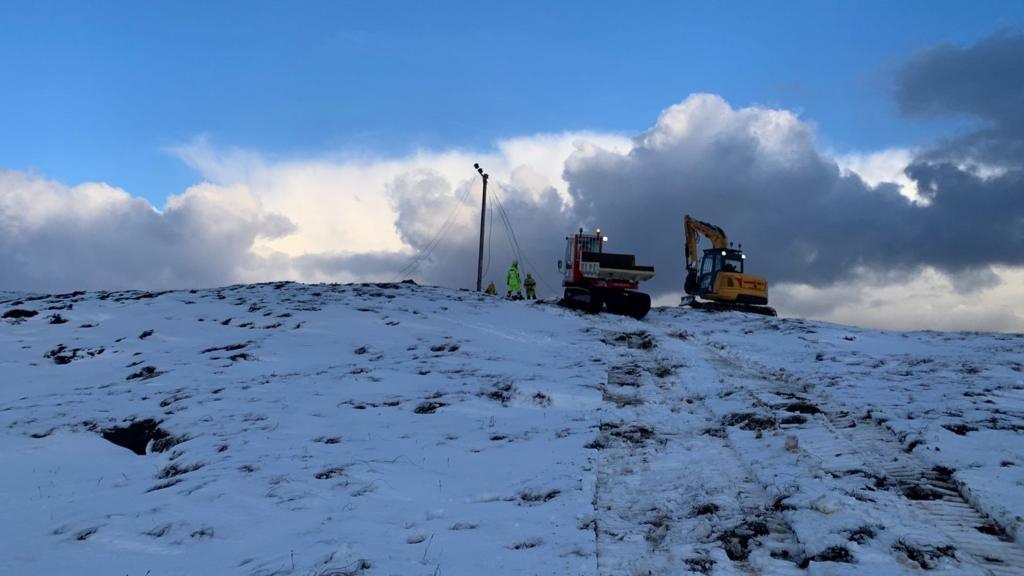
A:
(206, 143)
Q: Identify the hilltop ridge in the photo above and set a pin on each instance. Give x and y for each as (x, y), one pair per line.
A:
(285, 428)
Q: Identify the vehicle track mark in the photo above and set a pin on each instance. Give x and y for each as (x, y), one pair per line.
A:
(930, 493)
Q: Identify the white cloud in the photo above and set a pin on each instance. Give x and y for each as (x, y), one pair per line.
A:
(884, 166)
(926, 300)
(344, 217)
(339, 203)
(55, 237)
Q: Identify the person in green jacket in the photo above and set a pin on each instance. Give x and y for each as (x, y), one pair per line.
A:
(513, 280)
(531, 287)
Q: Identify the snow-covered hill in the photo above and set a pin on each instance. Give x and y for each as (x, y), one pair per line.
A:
(397, 429)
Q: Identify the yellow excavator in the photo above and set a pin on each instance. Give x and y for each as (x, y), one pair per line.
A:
(720, 280)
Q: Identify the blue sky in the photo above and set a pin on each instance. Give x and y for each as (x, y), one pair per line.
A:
(99, 93)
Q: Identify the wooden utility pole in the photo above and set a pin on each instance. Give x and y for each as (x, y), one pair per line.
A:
(483, 213)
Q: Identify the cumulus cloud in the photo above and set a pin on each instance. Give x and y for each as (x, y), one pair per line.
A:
(360, 217)
(55, 237)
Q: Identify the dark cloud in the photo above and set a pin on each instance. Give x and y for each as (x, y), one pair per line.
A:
(983, 81)
(976, 180)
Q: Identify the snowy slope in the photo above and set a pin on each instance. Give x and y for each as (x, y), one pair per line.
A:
(397, 429)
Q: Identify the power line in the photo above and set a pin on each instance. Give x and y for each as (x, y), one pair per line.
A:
(509, 232)
(517, 249)
(427, 249)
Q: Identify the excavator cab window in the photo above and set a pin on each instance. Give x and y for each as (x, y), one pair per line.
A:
(709, 266)
(732, 262)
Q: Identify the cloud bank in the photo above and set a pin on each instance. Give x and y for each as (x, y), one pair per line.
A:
(54, 237)
(840, 237)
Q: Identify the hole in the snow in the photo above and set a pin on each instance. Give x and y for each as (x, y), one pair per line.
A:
(137, 435)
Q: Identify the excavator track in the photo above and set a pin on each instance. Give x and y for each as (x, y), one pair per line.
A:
(723, 307)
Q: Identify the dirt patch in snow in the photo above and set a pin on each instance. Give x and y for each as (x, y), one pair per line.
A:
(921, 492)
(700, 565)
(960, 429)
(736, 540)
(750, 421)
(832, 554)
(62, 355)
(927, 557)
(144, 373)
(633, 434)
(428, 407)
(801, 407)
(640, 340)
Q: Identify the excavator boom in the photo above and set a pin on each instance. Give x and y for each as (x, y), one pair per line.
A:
(713, 233)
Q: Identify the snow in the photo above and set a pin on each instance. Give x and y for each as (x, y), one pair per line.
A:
(398, 429)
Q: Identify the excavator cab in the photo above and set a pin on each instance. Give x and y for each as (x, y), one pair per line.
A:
(715, 261)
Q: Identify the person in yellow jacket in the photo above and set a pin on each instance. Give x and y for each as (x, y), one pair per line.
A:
(531, 287)
(512, 281)
(491, 289)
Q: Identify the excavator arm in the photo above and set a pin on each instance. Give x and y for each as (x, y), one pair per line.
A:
(710, 231)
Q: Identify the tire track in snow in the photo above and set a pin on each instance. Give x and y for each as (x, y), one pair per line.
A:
(668, 498)
(931, 494)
